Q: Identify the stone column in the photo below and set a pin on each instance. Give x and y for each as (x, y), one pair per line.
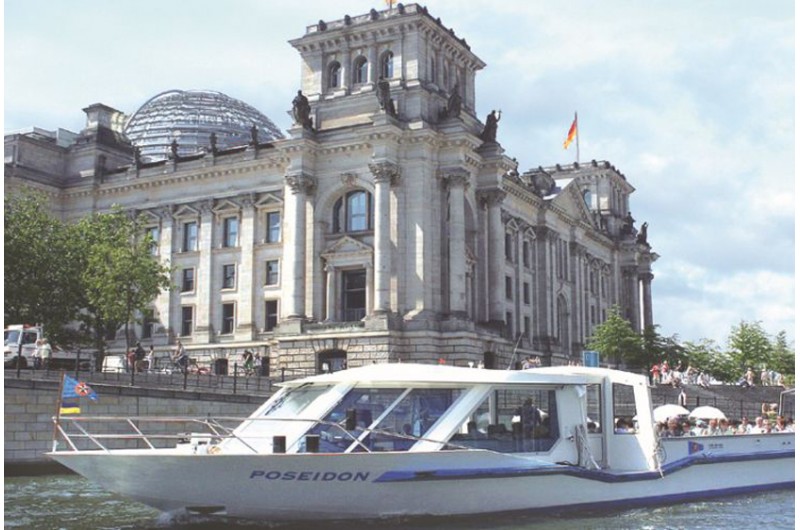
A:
(457, 182)
(385, 174)
(247, 277)
(330, 293)
(496, 240)
(203, 330)
(645, 281)
(294, 245)
(162, 303)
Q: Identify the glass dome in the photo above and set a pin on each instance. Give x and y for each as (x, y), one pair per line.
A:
(190, 116)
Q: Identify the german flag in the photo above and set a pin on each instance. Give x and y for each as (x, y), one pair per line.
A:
(573, 132)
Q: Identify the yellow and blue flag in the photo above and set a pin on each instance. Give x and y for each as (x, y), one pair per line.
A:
(70, 394)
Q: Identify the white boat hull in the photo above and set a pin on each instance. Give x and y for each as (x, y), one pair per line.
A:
(377, 485)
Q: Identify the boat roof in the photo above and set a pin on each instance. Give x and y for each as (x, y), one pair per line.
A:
(412, 373)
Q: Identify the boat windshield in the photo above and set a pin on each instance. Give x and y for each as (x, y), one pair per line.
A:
(293, 401)
(386, 419)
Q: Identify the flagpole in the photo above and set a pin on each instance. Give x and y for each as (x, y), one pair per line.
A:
(58, 410)
(577, 140)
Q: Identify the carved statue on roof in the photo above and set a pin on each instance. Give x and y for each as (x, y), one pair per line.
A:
(489, 134)
(301, 110)
(385, 98)
(642, 237)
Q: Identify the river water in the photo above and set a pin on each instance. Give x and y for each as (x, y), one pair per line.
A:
(72, 502)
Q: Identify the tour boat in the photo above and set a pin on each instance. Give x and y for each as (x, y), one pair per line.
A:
(405, 440)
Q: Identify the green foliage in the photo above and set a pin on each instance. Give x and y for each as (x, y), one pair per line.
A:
(749, 346)
(40, 266)
(99, 271)
(706, 356)
(120, 278)
(615, 339)
(656, 348)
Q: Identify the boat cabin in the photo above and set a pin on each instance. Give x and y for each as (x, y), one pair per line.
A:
(584, 416)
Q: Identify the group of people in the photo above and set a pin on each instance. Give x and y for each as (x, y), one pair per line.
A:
(676, 426)
(42, 354)
(662, 374)
(138, 360)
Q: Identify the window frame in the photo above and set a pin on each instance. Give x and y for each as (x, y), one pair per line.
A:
(271, 317)
(189, 237)
(272, 227)
(350, 313)
(360, 70)
(230, 237)
(276, 272)
(185, 321)
(334, 72)
(229, 276)
(184, 280)
(228, 324)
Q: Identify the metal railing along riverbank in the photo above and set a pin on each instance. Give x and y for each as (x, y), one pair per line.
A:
(236, 382)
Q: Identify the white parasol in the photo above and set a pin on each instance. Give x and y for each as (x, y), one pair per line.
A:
(707, 413)
(664, 412)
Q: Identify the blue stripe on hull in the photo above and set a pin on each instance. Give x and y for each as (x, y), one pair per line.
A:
(596, 475)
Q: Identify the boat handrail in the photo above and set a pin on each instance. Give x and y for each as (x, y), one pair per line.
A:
(217, 432)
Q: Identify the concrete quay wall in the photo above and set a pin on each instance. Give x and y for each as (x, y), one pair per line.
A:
(31, 404)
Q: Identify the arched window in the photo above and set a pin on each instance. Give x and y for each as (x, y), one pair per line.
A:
(360, 70)
(353, 212)
(334, 75)
(387, 65)
(587, 198)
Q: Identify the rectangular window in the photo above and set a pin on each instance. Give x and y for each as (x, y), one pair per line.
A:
(227, 318)
(354, 289)
(273, 272)
(509, 247)
(509, 288)
(148, 324)
(594, 409)
(187, 281)
(190, 237)
(230, 232)
(526, 293)
(509, 325)
(624, 409)
(187, 320)
(229, 276)
(273, 227)
(526, 249)
(271, 315)
(528, 328)
(152, 233)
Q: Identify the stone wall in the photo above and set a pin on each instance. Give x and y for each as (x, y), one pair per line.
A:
(31, 404)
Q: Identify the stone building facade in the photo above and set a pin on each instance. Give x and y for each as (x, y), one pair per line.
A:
(390, 226)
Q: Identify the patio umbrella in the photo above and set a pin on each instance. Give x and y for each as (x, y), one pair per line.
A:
(707, 413)
(664, 412)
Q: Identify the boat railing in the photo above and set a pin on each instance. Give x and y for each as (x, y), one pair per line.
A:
(108, 433)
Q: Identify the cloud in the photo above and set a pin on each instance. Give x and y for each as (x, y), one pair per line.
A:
(693, 102)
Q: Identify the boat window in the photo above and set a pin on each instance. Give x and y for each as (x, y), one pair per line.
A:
(367, 405)
(511, 421)
(295, 400)
(386, 419)
(624, 409)
(411, 418)
(594, 409)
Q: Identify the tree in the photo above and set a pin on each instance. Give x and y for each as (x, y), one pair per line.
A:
(120, 278)
(40, 266)
(706, 356)
(782, 358)
(615, 339)
(656, 348)
(749, 346)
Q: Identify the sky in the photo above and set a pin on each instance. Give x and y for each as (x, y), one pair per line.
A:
(692, 101)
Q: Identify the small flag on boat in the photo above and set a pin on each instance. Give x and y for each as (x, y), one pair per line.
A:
(71, 392)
